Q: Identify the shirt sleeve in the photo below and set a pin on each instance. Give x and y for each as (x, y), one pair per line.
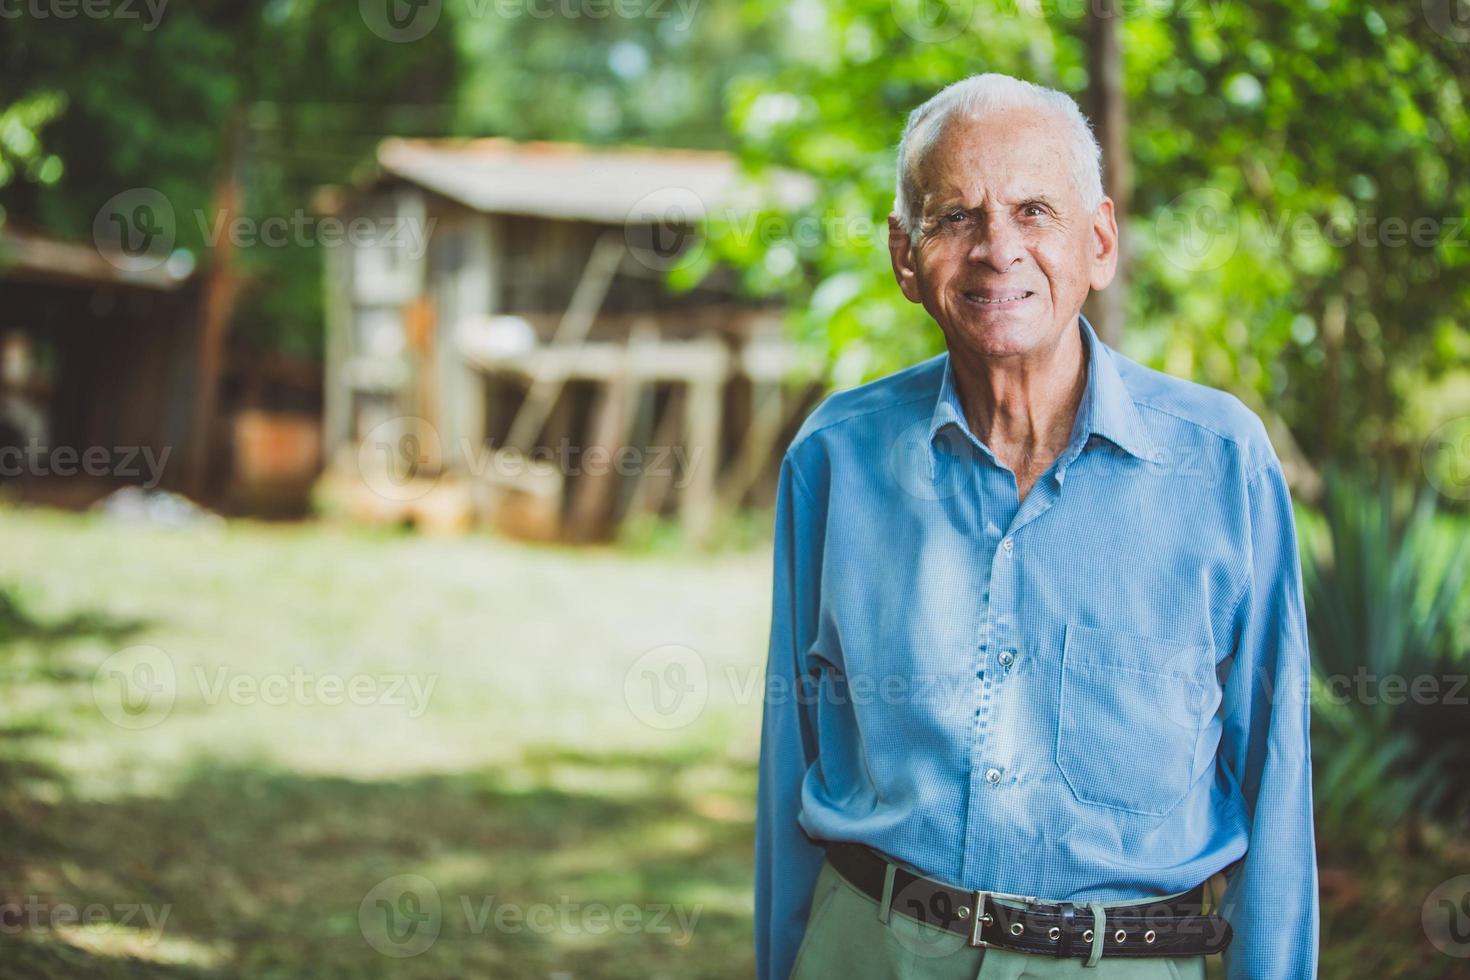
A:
(1271, 896)
(787, 861)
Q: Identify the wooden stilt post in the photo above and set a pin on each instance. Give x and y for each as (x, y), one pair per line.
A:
(703, 410)
(595, 495)
(653, 485)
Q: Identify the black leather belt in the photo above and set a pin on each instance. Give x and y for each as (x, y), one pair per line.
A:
(1168, 927)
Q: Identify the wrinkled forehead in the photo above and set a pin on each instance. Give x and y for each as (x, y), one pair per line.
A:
(1006, 155)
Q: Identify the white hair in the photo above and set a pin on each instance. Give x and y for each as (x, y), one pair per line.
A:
(972, 98)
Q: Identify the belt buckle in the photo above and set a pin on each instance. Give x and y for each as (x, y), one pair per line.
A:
(984, 918)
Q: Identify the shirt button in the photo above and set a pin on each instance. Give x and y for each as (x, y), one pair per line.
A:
(1007, 658)
(1008, 544)
(992, 776)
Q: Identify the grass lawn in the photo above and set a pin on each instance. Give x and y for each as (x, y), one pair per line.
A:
(510, 790)
(267, 813)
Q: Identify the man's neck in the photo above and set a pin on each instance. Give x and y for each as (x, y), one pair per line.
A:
(1024, 407)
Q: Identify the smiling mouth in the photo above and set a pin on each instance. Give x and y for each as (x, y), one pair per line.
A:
(1011, 300)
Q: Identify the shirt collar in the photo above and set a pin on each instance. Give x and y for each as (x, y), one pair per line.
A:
(1107, 407)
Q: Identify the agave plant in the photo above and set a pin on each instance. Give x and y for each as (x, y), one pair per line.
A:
(1385, 595)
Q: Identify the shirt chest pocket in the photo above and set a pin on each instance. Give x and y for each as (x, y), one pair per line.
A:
(1133, 710)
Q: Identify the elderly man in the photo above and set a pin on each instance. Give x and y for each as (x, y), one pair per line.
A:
(1038, 662)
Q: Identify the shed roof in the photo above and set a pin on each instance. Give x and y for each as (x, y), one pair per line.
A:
(29, 255)
(616, 185)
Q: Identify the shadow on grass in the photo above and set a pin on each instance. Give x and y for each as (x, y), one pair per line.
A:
(21, 825)
(565, 864)
(30, 646)
(28, 652)
(18, 623)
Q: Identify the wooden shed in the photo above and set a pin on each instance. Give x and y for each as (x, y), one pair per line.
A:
(97, 362)
(499, 324)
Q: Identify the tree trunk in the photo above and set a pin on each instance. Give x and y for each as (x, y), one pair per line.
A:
(220, 294)
(1108, 109)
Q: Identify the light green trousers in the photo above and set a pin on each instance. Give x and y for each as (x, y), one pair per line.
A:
(847, 938)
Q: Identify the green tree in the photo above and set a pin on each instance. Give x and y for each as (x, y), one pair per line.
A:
(652, 72)
(291, 94)
(1298, 231)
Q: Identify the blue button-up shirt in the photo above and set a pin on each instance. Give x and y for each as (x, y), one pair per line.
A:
(1099, 692)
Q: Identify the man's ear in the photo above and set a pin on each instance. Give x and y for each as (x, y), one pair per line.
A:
(1103, 259)
(901, 252)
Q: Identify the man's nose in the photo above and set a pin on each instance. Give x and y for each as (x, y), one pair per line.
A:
(997, 243)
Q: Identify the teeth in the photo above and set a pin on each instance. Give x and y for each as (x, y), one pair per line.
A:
(1005, 299)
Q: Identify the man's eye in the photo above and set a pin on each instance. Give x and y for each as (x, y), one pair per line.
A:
(956, 216)
(1034, 211)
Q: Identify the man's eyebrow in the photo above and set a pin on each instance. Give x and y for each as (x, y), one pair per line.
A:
(954, 202)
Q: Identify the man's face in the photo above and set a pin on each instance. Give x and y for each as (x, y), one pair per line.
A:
(1006, 254)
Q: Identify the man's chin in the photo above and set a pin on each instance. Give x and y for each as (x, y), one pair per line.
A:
(999, 334)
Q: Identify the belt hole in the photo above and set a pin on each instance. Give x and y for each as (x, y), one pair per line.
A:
(1054, 934)
(1120, 935)
(1087, 935)
(1017, 928)
(1150, 936)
